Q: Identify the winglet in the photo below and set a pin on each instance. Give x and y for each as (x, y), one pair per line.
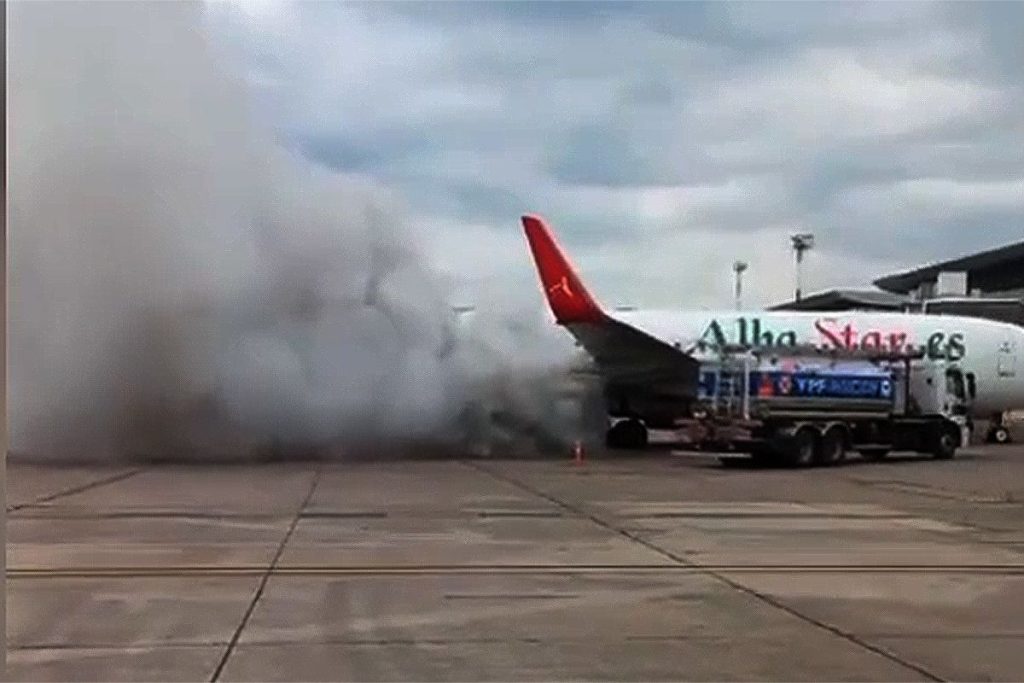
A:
(569, 299)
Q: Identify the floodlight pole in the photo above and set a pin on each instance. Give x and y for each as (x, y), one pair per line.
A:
(738, 267)
(801, 242)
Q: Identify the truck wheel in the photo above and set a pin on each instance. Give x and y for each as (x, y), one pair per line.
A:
(946, 441)
(802, 448)
(874, 454)
(763, 456)
(832, 447)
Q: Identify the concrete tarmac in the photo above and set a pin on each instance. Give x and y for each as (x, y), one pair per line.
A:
(667, 566)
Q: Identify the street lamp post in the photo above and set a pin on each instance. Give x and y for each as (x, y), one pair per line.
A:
(738, 267)
(801, 242)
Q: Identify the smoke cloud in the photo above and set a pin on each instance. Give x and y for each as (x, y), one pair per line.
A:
(183, 287)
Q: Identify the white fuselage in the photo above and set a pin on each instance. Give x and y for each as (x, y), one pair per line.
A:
(985, 348)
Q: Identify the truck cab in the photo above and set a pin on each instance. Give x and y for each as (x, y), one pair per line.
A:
(939, 388)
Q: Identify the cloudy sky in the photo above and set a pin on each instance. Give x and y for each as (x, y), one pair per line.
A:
(662, 140)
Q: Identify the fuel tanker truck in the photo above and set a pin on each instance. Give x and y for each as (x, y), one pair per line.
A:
(805, 406)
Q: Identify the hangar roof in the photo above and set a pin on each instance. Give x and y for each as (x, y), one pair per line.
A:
(908, 280)
(844, 300)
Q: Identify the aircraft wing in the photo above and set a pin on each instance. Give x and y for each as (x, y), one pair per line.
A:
(624, 354)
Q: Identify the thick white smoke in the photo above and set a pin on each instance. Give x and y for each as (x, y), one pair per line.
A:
(182, 287)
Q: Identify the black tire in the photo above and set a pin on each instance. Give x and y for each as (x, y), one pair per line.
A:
(627, 435)
(802, 448)
(945, 442)
(763, 456)
(874, 454)
(832, 447)
(613, 438)
(637, 435)
(1000, 435)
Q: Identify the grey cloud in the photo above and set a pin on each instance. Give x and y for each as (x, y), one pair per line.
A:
(633, 123)
(357, 154)
(999, 24)
(523, 12)
(469, 201)
(595, 155)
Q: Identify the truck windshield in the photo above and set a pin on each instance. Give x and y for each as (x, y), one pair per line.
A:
(955, 383)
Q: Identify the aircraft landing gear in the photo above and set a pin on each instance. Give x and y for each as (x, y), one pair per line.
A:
(997, 431)
(628, 434)
(999, 434)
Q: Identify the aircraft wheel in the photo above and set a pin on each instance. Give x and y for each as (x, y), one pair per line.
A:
(999, 435)
(613, 437)
(628, 435)
(637, 434)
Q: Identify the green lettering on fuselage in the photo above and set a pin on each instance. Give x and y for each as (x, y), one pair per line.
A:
(714, 330)
(747, 332)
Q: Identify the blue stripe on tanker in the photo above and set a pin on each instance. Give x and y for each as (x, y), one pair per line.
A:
(824, 385)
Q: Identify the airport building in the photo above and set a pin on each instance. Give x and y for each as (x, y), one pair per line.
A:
(996, 273)
(847, 300)
(988, 284)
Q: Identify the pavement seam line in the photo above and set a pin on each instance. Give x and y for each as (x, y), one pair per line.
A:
(968, 526)
(766, 599)
(143, 645)
(264, 579)
(495, 569)
(96, 483)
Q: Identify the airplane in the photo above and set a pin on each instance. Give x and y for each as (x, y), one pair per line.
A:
(649, 360)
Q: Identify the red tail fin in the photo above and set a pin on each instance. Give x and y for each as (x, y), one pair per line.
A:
(569, 299)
